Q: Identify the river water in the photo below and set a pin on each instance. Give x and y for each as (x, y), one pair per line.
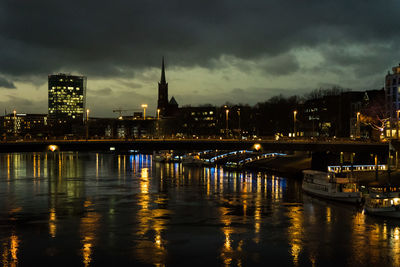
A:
(80, 209)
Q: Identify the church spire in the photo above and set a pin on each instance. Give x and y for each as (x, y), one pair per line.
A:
(163, 81)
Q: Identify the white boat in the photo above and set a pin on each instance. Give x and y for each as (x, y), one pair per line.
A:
(382, 203)
(326, 185)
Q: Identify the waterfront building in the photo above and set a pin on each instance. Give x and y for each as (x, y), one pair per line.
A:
(392, 92)
(344, 114)
(199, 121)
(67, 97)
(23, 125)
(122, 127)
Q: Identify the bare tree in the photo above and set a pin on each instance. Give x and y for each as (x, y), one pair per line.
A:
(322, 92)
(374, 114)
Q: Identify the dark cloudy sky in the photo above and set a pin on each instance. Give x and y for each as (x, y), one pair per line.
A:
(216, 51)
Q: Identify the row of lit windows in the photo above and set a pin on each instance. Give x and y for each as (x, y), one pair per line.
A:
(202, 113)
(66, 108)
(205, 119)
(72, 107)
(64, 87)
(65, 94)
(200, 125)
(61, 101)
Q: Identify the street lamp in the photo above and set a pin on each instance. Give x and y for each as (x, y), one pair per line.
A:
(294, 122)
(144, 106)
(15, 122)
(227, 118)
(87, 124)
(397, 112)
(358, 125)
(158, 122)
(240, 129)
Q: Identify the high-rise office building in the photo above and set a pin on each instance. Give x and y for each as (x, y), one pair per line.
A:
(67, 97)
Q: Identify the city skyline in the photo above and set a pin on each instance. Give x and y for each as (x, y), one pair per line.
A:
(214, 52)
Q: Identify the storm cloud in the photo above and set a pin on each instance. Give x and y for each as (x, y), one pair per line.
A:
(124, 39)
(4, 83)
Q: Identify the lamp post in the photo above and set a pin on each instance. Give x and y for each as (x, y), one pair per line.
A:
(397, 123)
(240, 129)
(158, 122)
(358, 125)
(15, 122)
(227, 118)
(294, 122)
(144, 106)
(87, 124)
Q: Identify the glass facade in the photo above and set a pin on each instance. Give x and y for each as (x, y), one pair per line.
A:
(67, 97)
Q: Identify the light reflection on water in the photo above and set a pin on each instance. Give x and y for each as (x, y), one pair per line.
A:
(83, 209)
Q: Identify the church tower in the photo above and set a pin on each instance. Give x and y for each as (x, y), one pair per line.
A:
(162, 104)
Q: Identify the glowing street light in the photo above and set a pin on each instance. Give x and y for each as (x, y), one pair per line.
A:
(144, 106)
(294, 122)
(158, 122)
(240, 129)
(15, 122)
(87, 123)
(358, 125)
(227, 119)
(397, 112)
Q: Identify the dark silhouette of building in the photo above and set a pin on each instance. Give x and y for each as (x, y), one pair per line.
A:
(162, 105)
(67, 97)
(173, 108)
(392, 90)
(166, 108)
(201, 121)
(23, 125)
(122, 127)
(337, 115)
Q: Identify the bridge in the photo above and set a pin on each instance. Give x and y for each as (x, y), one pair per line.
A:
(126, 145)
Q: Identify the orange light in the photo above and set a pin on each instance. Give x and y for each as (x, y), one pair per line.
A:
(53, 148)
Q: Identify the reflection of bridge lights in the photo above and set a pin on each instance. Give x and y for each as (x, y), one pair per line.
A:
(52, 222)
(157, 240)
(14, 243)
(145, 173)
